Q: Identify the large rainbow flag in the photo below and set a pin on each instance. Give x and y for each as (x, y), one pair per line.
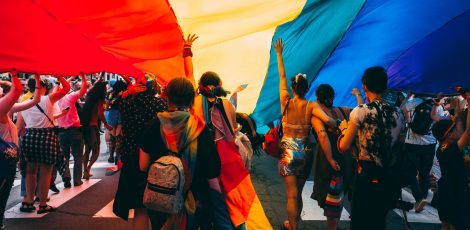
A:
(423, 44)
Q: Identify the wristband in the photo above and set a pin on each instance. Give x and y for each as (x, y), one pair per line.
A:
(187, 52)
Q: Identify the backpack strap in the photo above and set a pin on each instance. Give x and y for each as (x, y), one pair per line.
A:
(381, 126)
(220, 106)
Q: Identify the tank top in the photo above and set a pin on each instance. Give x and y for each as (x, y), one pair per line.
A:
(33, 118)
(291, 128)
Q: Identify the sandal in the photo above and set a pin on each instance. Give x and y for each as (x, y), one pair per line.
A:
(27, 207)
(45, 209)
(36, 200)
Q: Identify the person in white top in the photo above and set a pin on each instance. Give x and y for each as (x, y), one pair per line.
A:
(419, 150)
(40, 146)
(8, 133)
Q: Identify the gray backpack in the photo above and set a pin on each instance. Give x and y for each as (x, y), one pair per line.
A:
(165, 182)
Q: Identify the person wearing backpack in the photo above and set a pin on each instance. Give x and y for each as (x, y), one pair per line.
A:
(378, 126)
(180, 146)
(420, 147)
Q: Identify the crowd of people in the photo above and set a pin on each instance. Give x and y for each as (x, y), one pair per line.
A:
(366, 154)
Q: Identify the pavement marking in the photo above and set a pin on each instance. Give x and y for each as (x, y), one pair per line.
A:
(107, 212)
(17, 182)
(98, 165)
(311, 210)
(428, 215)
(56, 199)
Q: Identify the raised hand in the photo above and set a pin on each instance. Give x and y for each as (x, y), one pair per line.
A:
(190, 39)
(355, 92)
(279, 46)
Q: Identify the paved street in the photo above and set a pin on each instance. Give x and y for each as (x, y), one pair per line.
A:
(90, 205)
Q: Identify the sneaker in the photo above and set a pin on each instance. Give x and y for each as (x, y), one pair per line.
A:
(420, 206)
(67, 184)
(111, 159)
(54, 188)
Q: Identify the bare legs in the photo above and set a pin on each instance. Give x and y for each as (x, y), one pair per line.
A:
(141, 219)
(294, 186)
(92, 145)
(44, 182)
(332, 223)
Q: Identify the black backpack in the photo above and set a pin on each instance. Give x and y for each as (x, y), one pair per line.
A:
(421, 120)
(392, 160)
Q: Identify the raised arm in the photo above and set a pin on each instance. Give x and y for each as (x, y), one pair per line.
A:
(465, 138)
(324, 142)
(84, 87)
(348, 130)
(30, 103)
(188, 58)
(57, 95)
(7, 102)
(283, 92)
(358, 96)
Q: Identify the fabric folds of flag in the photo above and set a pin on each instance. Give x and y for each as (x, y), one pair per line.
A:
(243, 205)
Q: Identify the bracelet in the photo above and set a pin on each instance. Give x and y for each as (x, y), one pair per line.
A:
(187, 52)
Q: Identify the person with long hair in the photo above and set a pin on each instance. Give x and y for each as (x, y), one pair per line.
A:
(114, 136)
(92, 111)
(296, 158)
(181, 132)
(138, 106)
(332, 169)
(40, 146)
(452, 200)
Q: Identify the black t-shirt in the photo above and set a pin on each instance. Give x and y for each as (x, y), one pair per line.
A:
(207, 159)
(136, 111)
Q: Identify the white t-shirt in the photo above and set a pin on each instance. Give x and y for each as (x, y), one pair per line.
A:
(417, 139)
(33, 118)
(8, 131)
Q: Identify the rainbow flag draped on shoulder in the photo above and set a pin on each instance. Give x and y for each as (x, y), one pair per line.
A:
(241, 204)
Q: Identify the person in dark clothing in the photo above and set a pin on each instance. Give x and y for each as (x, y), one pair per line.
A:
(180, 132)
(138, 106)
(332, 170)
(453, 198)
(372, 198)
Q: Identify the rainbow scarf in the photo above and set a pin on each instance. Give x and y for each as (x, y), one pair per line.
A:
(180, 131)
